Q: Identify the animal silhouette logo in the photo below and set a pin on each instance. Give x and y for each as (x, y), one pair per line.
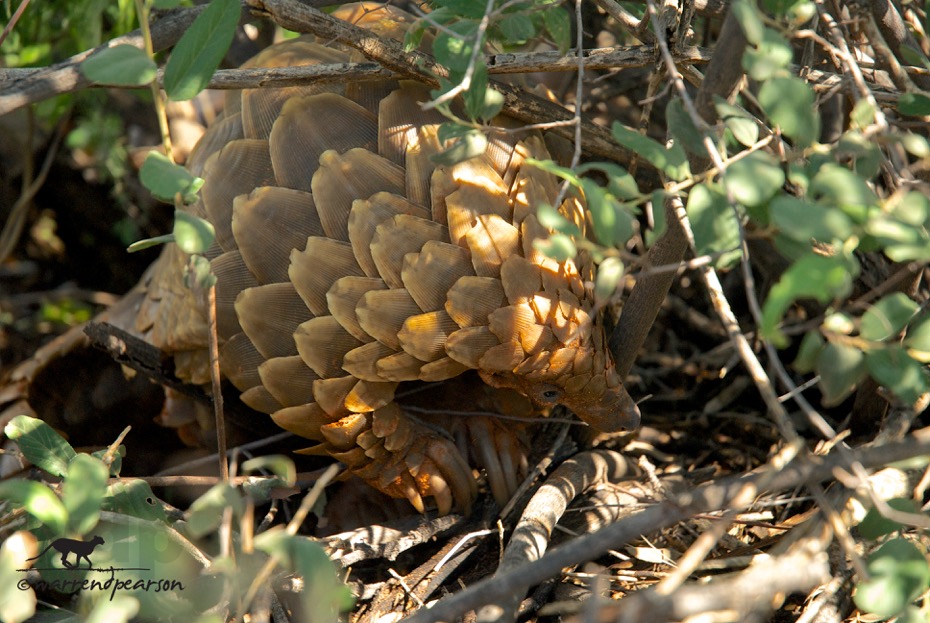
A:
(66, 547)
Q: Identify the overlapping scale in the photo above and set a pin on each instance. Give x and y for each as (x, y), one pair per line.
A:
(343, 178)
(365, 217)
(398, 236)
(430, 274)
(309, 126)
(288, 379)
(323, 344)
(268, 224)
(232, 277)
(236, 169)
(269, 315)
(313, 270)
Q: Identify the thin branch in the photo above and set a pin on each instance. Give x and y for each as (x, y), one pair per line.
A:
(66, 76)
(422, 67)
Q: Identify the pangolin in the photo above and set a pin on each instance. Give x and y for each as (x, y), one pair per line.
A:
(349, 265)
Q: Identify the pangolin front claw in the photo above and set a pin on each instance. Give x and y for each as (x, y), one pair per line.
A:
(501, 450)
(403, 458)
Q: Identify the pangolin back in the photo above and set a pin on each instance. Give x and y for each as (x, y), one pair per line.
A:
(348, 263)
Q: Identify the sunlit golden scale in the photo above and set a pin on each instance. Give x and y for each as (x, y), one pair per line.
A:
(350, 266)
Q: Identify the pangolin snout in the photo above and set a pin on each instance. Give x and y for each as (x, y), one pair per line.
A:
(612, 412)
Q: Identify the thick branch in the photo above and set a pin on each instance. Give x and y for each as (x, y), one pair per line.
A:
(625, 57)
(732, 492)
(644, 302)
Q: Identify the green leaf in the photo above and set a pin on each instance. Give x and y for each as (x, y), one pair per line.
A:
(17, 603)
(517, 29)
(192, 233)
(612, 224)
(789, 103)
(819, 277)
(206, 512)
(166, 4)
(682, 127)
(914, 105)
(672, 161)
(805, 221)
(913, 209)
(119, 609)
(280, 465)
(609, 274)
(558, 247)
(740, 123)
(875, 525)
(462, 8)
(199, 273)
(37, 500)
(749, 20)
(559, 26)
(200, 50)
(714, 223)
(82, 492)
(887, 317)
(918, 339)
(414, 35)
(915, 144)
(550, 218)
(864, 152)
(121, 65)
(41, 445)
(115, 461)
(808, 352)
(469, 145)
(755, 178)
(905, 377)
(619, 181)
(165, 179)
(900, 241)
(863, 114)
(841, 187)
(454, 49)
(481, 101)
(899, 574)
(324, 596)
(146, 243)
(134, 498)
(772, 55)
(914, 56)
(841, 368)
(563, 172)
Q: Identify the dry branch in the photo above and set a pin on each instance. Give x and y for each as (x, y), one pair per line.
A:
(731, 492)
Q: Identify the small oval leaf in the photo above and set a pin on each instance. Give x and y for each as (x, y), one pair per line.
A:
(192, 233)
(200, 50)
(121, 65)
(41, 445)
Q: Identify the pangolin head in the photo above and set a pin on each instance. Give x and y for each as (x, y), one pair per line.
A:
(597, 396)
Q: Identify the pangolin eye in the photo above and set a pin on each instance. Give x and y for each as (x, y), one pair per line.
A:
(548, 394)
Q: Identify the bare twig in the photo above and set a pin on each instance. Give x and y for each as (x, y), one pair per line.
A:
(749, 592)
(13, 227)
(531, 535)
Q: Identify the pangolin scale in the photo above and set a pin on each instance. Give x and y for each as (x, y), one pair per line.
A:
(348, 264)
